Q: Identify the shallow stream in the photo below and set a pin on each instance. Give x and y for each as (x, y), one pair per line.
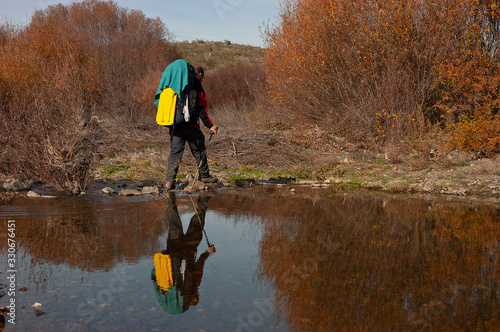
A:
(312, 260)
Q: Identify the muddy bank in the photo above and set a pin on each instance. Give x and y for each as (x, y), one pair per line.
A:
(294, 156)
(479, 179)
(310, 156)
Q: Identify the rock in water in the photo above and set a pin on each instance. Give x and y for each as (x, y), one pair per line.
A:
(108, 191)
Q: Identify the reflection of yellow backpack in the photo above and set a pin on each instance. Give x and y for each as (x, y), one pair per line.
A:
(166, 107)
(163, 267)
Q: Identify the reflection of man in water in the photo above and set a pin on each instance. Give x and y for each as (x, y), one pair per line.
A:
(177, 273)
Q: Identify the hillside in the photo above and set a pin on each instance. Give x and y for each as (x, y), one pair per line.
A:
(212, 55)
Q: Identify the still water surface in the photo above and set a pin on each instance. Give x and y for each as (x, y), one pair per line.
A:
(314, 260)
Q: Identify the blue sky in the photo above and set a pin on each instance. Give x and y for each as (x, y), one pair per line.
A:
(235, 20)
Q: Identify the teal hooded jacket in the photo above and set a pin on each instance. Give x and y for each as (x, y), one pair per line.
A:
(178, 76)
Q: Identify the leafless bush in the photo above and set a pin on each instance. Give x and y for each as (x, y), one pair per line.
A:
(68, 66)
(235, 84)
(236, 96)
(58, 150)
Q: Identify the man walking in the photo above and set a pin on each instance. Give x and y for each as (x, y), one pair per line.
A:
(191, 133)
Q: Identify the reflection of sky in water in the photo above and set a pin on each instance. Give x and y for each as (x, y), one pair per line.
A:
(124, 299)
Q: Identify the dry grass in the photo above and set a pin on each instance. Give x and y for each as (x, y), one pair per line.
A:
(215, 55)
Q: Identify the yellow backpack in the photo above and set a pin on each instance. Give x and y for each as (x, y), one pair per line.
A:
(166, 107)
(163, 267)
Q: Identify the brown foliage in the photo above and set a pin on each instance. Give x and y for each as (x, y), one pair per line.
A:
(234, 85)
(470, 99)
(376, 70)
(234, 93)
(70, 64)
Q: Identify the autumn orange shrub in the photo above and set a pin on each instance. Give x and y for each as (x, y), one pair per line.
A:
(469, 84)
(234, 95)
(234, 85)
(69, 66)
(373, 70)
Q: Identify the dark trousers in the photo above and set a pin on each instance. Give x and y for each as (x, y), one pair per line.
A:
(179, 135)
(179, 241)
(187, 271)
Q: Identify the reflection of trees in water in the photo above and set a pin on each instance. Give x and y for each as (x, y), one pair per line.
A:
(358, 262)
(91, 236)
(334, 261)
(39, 273)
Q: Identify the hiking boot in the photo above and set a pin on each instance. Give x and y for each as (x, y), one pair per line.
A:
(169, 196)
(169, 185)
(208, 179)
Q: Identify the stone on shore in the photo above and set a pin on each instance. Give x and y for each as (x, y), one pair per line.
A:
(150, 191)
(32, 194)
(130, 192)
(17, 185)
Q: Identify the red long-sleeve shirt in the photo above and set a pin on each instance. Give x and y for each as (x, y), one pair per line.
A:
(201, 107)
